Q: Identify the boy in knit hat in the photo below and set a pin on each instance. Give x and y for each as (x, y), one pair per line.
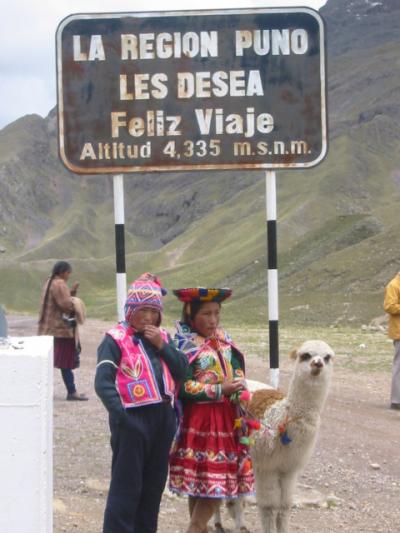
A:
(138, 367)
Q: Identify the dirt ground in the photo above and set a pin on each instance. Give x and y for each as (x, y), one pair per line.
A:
(351, 484)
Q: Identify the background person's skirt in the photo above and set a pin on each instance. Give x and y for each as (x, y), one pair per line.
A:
(65, 353)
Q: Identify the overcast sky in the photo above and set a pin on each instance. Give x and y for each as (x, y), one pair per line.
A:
(27, 37)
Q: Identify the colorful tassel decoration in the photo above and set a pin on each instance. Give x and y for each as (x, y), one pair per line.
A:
(285, 439)
(240, 396)
(238, 423)
(253, 424)
(245, 396)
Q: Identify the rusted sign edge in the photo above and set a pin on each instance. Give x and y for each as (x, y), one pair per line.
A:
(167, 168)
(185, 13)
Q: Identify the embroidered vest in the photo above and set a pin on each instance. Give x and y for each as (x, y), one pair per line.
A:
(135, 380)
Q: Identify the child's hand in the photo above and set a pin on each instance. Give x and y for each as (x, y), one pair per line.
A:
(153, 334)
(231, 386)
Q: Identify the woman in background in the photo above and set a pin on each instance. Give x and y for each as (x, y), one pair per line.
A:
(56, 319)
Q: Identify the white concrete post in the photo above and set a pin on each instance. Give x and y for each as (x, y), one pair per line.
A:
(26, 443)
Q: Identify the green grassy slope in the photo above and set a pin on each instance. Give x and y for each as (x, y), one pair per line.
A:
(338, 224)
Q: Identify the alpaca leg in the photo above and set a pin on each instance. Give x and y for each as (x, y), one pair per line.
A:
(288, 483)
(268, 494)
(283, 521)
(203, 510)
(235, 508)
(218, 520)
(268, 517)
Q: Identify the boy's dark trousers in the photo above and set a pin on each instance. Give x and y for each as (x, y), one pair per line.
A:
(139, 468)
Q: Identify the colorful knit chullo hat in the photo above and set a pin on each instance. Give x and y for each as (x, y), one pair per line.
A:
(145, 291)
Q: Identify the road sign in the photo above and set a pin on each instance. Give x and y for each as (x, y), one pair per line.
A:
(191, 90)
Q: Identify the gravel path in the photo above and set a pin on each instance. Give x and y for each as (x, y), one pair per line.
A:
(351, 484)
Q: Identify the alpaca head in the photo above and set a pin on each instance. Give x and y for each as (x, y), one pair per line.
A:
(314, 362)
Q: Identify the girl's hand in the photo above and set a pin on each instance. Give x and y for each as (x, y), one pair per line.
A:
(231, 386)
(153, 334)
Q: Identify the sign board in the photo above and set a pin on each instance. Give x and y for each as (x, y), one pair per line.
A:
(191, 90)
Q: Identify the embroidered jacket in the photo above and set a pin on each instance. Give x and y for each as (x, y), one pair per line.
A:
(135, 380)
(59, 301)
(211, 361)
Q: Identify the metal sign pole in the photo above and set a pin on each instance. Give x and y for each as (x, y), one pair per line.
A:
(119, 216)
(273, 312)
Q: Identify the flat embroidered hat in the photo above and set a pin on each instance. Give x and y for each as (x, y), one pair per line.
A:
(202, 294)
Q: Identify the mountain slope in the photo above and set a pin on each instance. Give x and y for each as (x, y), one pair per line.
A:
(338, 224)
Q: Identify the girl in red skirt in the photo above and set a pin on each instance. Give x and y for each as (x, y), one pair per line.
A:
(208, 462)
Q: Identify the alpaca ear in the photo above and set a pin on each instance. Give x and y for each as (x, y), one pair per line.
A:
(293, 353)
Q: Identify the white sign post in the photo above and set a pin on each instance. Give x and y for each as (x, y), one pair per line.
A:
(119, 216)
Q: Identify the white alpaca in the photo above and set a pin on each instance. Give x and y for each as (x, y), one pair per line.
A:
(236, 506)
(284, 444)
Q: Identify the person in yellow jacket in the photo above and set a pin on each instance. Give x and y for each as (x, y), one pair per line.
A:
(391, 305)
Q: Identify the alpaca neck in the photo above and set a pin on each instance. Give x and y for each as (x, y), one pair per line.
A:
(306, 397)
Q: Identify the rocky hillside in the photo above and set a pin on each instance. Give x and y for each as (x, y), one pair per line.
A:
(338, 223)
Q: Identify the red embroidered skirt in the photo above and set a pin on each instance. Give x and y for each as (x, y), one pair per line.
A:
(65, 353)
(207, 459)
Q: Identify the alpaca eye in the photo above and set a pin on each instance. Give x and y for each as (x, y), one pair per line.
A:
(327, 358)
(305, 357)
